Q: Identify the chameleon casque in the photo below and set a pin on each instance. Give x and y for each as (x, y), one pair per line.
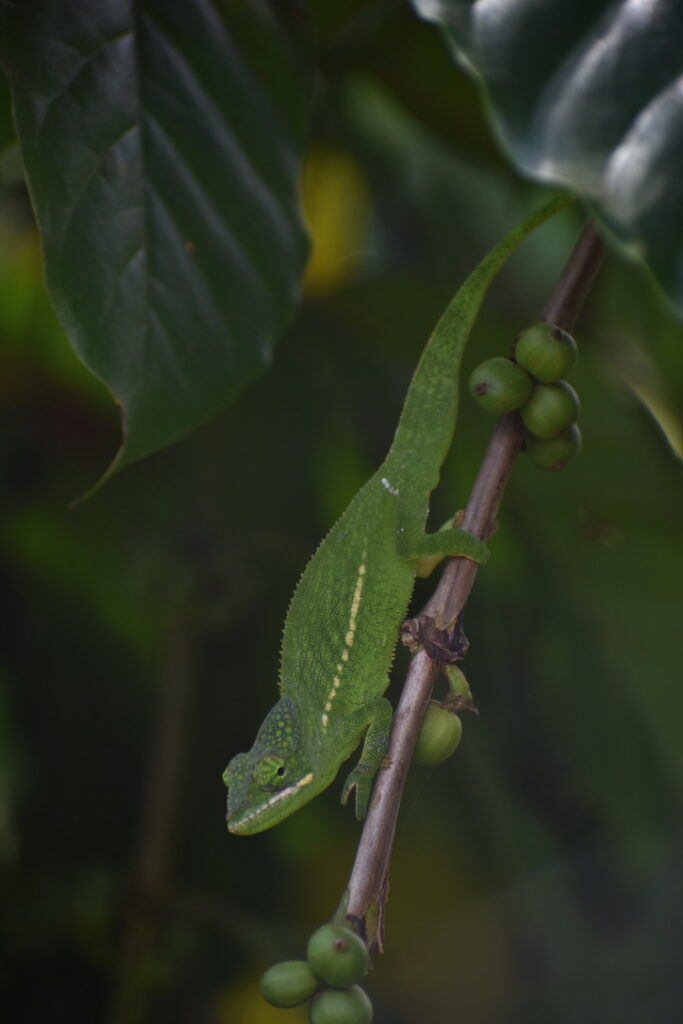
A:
(344, 618)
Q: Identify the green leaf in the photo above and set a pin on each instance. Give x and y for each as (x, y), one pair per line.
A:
(161, 142)
(588, 93)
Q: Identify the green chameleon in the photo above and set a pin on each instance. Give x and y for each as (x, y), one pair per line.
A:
(344, 618)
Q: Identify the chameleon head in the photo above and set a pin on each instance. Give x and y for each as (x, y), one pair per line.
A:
(274, 778)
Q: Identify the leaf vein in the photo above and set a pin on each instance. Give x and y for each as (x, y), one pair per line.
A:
(265, 196)
(237, 245)
(87, 59)
(89, 179)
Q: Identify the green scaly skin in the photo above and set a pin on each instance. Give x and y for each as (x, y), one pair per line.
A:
(344, 618)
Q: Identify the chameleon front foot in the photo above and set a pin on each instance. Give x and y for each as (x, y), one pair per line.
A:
(360, 780)
(371, 759)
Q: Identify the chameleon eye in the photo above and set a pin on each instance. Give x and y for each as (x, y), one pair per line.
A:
(270, 771)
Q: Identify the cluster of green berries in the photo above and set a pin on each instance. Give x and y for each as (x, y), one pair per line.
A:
(336, 960)
(531, 382)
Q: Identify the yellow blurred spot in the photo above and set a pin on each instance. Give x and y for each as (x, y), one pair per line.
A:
(336, 201)
(243, 1003)
(21, 281)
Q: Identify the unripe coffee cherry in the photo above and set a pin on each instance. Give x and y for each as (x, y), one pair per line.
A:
(439, 736)
(337, 955)
(551, 408)
(341, 1006)
(499, 385)
(288, 984)
(555, 452)
(546, 352)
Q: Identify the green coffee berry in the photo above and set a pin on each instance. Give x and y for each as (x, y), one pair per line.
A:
(555, 452)
(337, 955)
(499, 385)
(546, 352)
(341, 1006)
(551, 408)
(288, 984)
(439, 736)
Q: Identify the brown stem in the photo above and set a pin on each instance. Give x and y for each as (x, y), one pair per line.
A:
(366, 892)
(575, 281)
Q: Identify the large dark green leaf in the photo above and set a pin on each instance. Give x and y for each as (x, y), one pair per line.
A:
(160, 140)
(588, 93)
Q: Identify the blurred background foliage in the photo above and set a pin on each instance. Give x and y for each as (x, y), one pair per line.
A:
(536, 876)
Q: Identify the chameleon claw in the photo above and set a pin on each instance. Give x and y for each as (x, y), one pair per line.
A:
(361, 781)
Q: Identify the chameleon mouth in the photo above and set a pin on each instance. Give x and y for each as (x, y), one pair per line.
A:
(243, 823)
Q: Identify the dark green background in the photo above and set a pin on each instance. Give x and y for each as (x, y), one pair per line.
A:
(537, 875)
